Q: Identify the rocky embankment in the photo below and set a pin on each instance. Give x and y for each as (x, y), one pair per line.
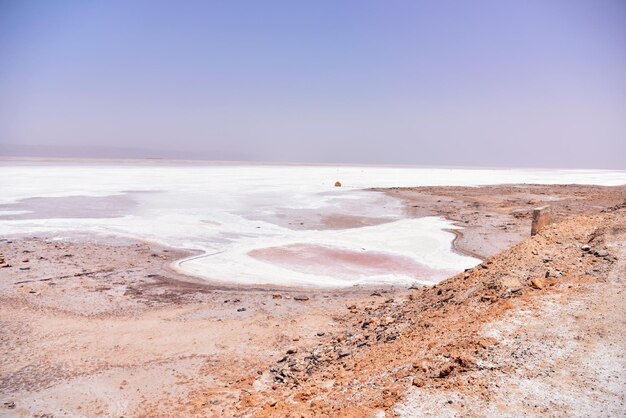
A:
(438, 339)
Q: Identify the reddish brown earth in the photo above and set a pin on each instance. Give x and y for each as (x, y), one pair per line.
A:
(102, 327)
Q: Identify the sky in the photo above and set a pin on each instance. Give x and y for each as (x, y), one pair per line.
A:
(532, 83)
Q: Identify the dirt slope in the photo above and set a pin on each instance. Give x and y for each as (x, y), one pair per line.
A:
(537, 329)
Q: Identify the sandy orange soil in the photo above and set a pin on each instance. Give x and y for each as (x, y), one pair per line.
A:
(102, 327)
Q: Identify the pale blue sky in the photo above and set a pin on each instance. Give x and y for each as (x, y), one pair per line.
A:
(408, 82)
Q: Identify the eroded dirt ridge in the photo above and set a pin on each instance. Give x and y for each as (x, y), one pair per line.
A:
(448, 339)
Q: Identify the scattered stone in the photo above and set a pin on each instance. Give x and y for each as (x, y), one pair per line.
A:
(487, 342)
(292, 350)
(10, 405)
(553, 273)
(538, 283)
(512, 284)
(601, 253)
(337, 184)
(445, 372)
(370, 322)
(343, 354)
(321, 334)
(417, 382)
(301, 298)
(586, 248)
(277, 296)
(387, 320)
(241, 309)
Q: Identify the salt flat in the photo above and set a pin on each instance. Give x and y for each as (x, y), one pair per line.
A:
(255, 224)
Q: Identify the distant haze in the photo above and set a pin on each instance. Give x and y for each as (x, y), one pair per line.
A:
(475, 83)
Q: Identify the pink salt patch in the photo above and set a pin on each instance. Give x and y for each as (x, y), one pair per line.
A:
(337, 262)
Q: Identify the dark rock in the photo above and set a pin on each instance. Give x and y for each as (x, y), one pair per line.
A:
(445, 372)
(301, 298)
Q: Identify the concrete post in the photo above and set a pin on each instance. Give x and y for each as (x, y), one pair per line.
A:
(541, 217)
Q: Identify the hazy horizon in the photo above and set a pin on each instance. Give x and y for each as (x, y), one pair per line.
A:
(425, 83)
